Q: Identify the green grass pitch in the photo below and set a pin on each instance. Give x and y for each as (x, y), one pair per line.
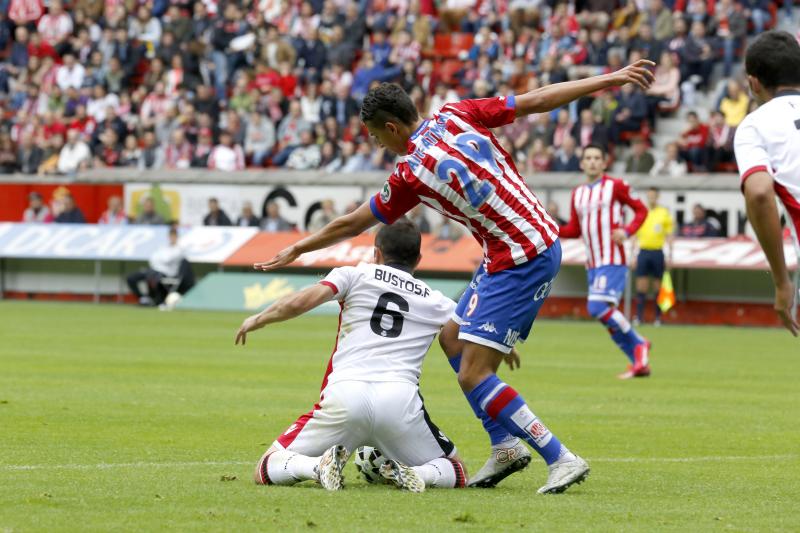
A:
(123, 419)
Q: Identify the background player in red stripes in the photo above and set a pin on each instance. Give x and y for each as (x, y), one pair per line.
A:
(596, 214)
(453, 163)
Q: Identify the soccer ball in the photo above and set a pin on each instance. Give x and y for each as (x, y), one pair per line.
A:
(368, 462)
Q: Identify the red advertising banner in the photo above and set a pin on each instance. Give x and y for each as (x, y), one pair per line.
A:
(465, 254)
(91, 199)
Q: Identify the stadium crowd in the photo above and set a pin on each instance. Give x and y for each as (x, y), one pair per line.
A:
(206, 84)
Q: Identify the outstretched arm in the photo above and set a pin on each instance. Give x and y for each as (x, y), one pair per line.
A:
(335, 232)
(763, 214)
(571, 230)
(559, 94)
(288, 307)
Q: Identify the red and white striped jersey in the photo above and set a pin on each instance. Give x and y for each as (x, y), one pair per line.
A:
(768, 140)
(456, 166)
(595, 212)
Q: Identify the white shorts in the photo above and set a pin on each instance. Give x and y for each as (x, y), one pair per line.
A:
(387, 415)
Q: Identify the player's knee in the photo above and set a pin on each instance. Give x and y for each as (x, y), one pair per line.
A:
(597, 309)
(261, 476)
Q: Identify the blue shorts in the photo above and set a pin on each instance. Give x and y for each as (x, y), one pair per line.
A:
(498, 309)
(607, 283)
(650, 263)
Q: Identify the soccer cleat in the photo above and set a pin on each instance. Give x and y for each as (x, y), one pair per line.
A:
(402, 476)
(329, 469)
(641, 355)
(565, 474)
(502, 463)
(631, 372)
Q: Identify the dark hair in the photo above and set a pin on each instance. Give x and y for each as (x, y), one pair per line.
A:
(692, 114)
(774, 59)
(655, 190)
(400, 243)
(596, 147)
(388, 101)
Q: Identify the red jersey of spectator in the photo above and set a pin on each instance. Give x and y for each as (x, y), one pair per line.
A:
(696, 137)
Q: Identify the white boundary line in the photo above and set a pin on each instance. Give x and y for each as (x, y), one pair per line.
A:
(191, 464)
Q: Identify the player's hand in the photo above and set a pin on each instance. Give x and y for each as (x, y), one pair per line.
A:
(284, 258)
(512, 359)
(638, 73)
(619, 236)
(250, 323)
(784, 306)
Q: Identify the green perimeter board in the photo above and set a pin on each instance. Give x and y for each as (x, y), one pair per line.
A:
(229, 291)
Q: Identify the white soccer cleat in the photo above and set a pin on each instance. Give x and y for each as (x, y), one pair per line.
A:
(402, 476)
(565, 474)
(502, 463)
(329, 469)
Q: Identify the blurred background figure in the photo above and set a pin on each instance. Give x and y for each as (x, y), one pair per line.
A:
(273, 222)
(167, 270)
(36, 211)
(115, 214)
(247, 217)
(71, 213)
(216, 216)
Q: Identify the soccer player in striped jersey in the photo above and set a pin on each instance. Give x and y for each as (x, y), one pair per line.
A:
(453, 163)
(767, 146)
(596, 214)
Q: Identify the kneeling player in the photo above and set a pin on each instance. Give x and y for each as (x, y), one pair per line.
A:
(370, 392)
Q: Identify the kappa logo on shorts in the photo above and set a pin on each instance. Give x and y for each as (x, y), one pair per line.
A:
(488, 327)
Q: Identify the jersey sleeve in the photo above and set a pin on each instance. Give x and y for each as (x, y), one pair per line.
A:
(491, 112)
(445, 308)
(750, 150)
(626, 197)
(341, 280)
(394, 200)
(572, 229)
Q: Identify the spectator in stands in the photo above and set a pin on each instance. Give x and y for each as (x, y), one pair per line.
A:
(55, 27)
(289, 133)
(75, 155)
(720, 141)
(71, 213)
(553, 211)
(539, 157)
(693, 142)
(226, 156)
(71, 74)
(729, 25)
(671, 164)
(37, 211)
(216, 216)
(203, 149)
(419, 216)
(115, 214)
(322, 216)
(660, 18)
(149, 215)
(166, 262)
(29, 156)
(274, 222)
(151, 156)
(131, 153)
(735, 104)
(448, 230)
(108, 153)
(8, 154)
(565, 158)
(640, 160)
(698, 56)
(178, 153)
(588, 131)
(259, 138)
(646, 44)
(307, 155)
(248, 218)
(630, 113)
(666, 91)
(701, 225)
(52, 154)
(758, 12)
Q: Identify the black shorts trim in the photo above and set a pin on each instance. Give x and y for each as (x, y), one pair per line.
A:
(445, 443)
(650, 263)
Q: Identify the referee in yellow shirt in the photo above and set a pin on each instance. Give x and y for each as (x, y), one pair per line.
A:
(656, 231)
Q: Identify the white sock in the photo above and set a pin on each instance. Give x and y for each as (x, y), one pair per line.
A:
(441, 473)
(565, 455)
(287, 468)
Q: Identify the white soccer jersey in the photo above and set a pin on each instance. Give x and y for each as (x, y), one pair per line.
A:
(768, 139)
(388, 321)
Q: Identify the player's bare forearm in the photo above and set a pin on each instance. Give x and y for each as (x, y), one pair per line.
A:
(336, 231)
(559, 94)
(286, 308)
(762, 212)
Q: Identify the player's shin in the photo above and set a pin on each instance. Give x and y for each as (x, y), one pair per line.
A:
(505, 406)
(286, 468)
(497, 435)
(442, 473)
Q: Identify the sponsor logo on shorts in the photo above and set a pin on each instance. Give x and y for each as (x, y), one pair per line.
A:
(543, 291)
(488, 327)
(511, 337)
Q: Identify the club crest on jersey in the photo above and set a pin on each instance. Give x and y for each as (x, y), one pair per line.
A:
(386, 192)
